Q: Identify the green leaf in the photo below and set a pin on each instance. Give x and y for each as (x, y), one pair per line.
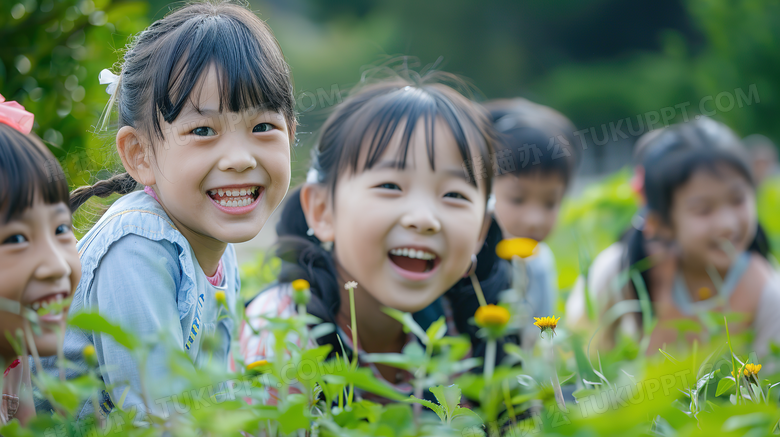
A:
(96, 322)
(437, 330)
(734, 423)
(448, 397)
(293, 417)
(438, 409)
(408, 321)
(724, 385)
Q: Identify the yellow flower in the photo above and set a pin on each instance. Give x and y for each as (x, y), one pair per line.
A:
(301, 293)
(749, 370)
(89, 354)
(300, 285)
(257, 365)
(705, 293)
(546, 323)
(522, 247)
(491, 316)
(220, 296)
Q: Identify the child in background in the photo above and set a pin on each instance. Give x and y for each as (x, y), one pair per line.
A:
(700, 221)
(39, 265)
(206, 119)
(387, 204)
(536, 160)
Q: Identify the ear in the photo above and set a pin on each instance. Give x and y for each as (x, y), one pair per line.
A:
(318, 210)
(135, 157)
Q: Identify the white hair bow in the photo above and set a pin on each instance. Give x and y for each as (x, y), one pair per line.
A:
(106, 77)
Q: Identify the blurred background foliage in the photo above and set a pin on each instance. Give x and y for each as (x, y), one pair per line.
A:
(597, 61)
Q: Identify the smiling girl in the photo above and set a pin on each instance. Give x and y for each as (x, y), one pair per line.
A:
(40, 265)
(699, 237)
(391, 198)
(205, 108)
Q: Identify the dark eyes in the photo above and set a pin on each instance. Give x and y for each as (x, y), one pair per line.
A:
(389, 186)
(263, 127)
(19, 238)
(454, 195)
(15, 239)
(205, 131)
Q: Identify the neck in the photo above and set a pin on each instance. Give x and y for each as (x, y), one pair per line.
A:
(208, 251)
(696, 276)
(377, 332)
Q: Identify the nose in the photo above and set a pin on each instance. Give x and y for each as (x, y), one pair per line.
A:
(52, 261)
(535, 220)
(726, 224)
(421, 220)
(236, 157)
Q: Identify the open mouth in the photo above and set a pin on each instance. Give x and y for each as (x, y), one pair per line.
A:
(52, 307)
(231, 197)
(414, 260)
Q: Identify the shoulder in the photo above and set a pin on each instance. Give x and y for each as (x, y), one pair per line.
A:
(758, 282)
(605, 268)
(136, 213)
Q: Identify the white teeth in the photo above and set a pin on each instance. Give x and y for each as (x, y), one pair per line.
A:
(222, 202)
(412, 253)
(242, 192)
(36, 306)
(235, 193)
(221, 192)
(213, 192)
(59, 298)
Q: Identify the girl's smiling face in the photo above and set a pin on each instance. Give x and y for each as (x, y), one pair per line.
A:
(406, 235)
(40, 265)
(219, 175)
(711, 209)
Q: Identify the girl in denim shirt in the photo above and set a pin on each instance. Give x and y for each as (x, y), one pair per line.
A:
(205, 110)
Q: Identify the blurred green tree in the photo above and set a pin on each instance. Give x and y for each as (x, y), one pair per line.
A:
(50, 58)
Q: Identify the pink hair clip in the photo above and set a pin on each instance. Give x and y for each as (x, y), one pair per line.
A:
(13, 114)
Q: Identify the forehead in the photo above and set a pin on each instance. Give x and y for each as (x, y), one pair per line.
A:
(712, 182)
(430, 144)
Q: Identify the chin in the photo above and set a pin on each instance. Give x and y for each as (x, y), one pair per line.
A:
(46, 344)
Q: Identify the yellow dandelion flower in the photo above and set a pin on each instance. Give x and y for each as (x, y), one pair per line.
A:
(522, 247)
(546, 323)
(749, 370)
(89, 354)
(705, 293)
(257, 365)
(300, 285)
(491, 316)
(220, 296)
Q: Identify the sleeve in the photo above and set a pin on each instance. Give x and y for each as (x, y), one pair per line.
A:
(135, 286)
(600, 280)
(766, 322)
(256, 342)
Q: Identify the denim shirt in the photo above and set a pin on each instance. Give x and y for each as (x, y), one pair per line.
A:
(138, 271)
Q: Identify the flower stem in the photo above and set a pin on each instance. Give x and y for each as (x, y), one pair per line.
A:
(554, 378)
(478, 290)
(490, 360)
(354, 329)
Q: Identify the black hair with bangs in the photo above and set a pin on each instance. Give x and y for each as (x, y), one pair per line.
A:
(353, 139)
(164, 66)
(28, 171)
(521, 125)
(377, 112)
(670, 159)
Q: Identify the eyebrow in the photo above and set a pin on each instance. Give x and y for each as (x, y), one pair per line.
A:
(59, 209)
(397, 165)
